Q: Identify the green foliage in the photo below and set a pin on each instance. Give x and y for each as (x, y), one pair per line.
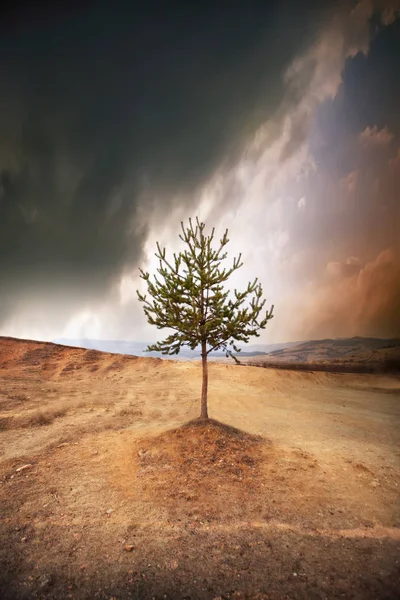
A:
(189, 298)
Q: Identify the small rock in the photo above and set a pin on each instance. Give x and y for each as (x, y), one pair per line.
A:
(45, 581)
(23, 539)
(374, 483)
(109, 511)
(28, 466)
(128, 548)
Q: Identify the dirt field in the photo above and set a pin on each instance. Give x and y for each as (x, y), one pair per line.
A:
(291, 490)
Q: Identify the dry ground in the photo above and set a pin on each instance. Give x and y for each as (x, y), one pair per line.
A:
(291, 491)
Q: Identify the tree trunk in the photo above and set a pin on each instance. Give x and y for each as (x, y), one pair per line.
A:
(204, 411)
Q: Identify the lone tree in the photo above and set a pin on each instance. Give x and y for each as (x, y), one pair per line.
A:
(191, 300)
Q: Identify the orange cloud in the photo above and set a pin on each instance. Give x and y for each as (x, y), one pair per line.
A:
(350, 182)
(344, 269)
(374, 137)
(354, 300)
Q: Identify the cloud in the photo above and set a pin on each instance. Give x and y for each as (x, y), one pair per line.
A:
(339, 270)
(278, 158)
(355, 300)
(106, 146)
(390, 12)
(302, 202)
(374, 137)
(316, 75)
(113, 120)
(350, 182)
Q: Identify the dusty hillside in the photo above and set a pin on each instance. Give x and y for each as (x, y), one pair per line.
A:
(291, 491)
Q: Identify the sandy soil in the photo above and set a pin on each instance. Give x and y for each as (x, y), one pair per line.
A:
(290, 491)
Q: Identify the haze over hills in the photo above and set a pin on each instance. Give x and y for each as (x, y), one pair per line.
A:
(138, 348)
(333, 348)
(356, 352)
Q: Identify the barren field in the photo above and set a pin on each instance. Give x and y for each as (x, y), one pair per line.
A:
(110, 488)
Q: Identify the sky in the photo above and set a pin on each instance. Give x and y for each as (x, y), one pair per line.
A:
(277, 121)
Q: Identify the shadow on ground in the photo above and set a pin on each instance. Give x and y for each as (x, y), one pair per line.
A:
(204, 565)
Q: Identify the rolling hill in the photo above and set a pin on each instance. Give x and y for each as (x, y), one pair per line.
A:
(357, 354)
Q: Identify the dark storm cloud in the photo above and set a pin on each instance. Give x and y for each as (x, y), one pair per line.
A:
(103, 105)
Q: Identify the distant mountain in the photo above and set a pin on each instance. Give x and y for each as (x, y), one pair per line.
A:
(353, 354)
(138, 348)
(115, 346)
(334, 348)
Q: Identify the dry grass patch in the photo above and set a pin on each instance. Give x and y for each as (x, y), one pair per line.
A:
(130, 411)
(41, 416)
(34, 418)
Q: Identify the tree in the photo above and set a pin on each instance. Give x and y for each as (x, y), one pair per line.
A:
(191, 301)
